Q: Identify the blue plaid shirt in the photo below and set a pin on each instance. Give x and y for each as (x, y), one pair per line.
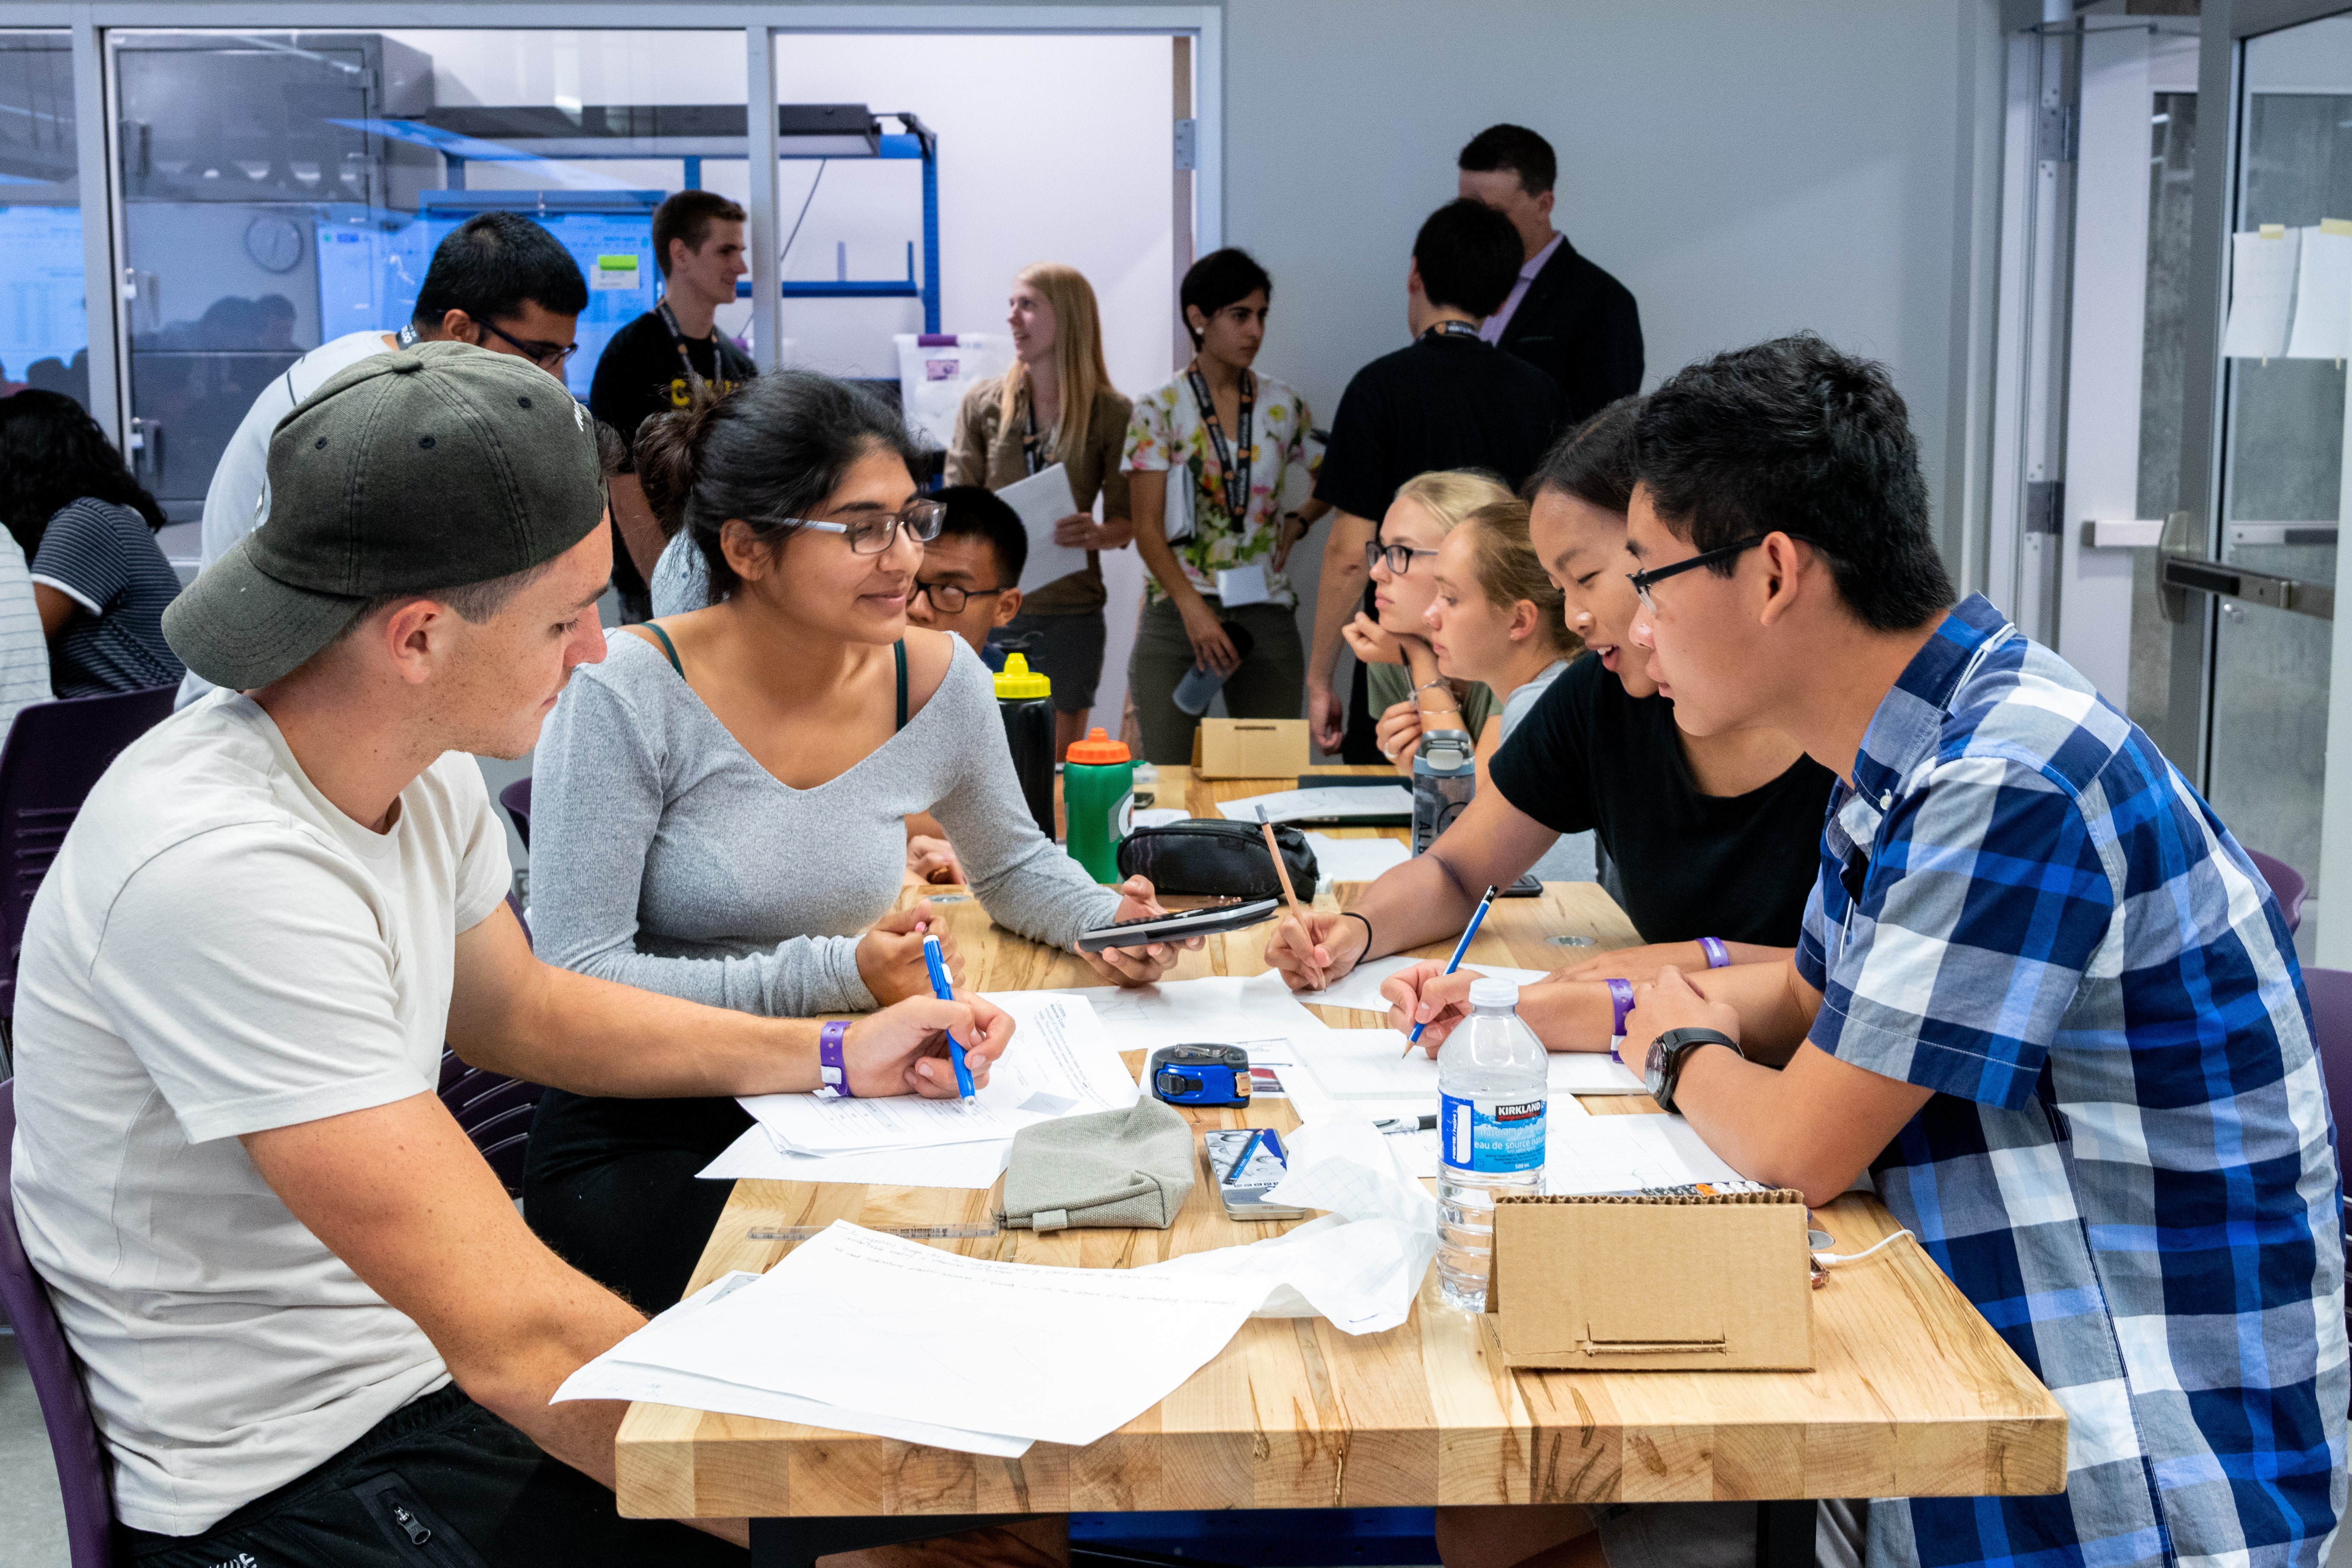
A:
(2127, 1166)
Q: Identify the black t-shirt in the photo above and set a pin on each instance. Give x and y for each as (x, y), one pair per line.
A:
(1443, 402)
(640, 375)
(1735, 866)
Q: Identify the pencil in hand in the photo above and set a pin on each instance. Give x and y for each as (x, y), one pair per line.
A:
(1297, 913)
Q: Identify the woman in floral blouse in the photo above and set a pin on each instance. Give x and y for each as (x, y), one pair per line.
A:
(1217, 535)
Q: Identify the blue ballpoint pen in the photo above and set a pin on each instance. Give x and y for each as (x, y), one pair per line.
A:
(938, 965)
(1455, 962)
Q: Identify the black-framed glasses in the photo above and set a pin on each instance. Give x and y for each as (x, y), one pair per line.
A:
(1645, 581)
(1398, 556)
(947, 598)
(872, 535)
(548, 357)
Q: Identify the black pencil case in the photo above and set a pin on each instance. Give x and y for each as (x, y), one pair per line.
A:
(1221, 859)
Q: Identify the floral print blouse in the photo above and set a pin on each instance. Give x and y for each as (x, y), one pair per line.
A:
(1166, 433)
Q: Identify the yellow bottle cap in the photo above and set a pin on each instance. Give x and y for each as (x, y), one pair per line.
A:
(1017, 680)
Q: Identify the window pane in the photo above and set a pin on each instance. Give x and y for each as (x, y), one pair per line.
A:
(44, 330)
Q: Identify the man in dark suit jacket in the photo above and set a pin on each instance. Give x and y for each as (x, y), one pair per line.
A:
(1565, 316)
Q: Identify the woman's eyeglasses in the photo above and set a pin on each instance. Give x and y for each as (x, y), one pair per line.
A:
(1398, 556)
(872, 535)
(1645, 581)
(946, 597)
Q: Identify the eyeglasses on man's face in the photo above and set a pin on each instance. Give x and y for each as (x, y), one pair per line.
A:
(548, 357)
(1645, 581)
(1398, 556)
(872, 534)
(947, 598)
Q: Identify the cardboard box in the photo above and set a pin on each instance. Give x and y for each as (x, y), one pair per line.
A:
(1249, 749)
(1670, 1284)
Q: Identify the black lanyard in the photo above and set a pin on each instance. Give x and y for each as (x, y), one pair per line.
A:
(1032, 452)
(678, 339)
(1450, 329)
(1233, 477)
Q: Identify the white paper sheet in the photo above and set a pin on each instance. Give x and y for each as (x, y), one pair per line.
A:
(1360, 986)
(1374, 1064)
(1360, 1265)
(1063, 1354)
(1356, 859)
(1042, 500)
(1060, 1063)
(757, 1156)
(1218, 1009)
(1160, 816)
(1621, 1154)
(2261, 294)
(1317, 805)
(607, 1377)
(2323, 297)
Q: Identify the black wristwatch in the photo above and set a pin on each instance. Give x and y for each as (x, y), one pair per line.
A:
(1667, 1053)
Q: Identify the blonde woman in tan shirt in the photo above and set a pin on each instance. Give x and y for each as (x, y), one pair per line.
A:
(1057, 404)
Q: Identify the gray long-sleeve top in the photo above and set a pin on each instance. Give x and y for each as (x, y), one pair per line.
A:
(663, 856)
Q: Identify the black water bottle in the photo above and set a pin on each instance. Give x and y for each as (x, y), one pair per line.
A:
(1024, 697)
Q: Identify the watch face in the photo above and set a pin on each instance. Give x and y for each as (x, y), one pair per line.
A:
(1653, 1066)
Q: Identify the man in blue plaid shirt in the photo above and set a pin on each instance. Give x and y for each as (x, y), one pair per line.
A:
(2042, 994)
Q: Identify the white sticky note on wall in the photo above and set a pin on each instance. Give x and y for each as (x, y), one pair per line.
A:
(2323, 295)
(2261, 294)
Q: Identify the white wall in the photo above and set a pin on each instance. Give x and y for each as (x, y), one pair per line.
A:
(1745, 170)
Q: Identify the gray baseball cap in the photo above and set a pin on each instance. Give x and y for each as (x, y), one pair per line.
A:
(427, 468)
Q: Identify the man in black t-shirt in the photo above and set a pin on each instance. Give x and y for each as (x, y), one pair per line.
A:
(651, 365)
(1446, 400)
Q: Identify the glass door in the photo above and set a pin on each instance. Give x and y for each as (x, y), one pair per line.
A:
(43, 329)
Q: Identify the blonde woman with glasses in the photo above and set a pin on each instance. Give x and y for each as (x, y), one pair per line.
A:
(1057, 404)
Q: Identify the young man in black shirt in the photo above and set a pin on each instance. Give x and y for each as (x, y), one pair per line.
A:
(652, 365)
(1564, 315)
(1446, 400)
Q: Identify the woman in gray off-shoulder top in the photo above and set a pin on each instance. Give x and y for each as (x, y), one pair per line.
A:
(718, 808)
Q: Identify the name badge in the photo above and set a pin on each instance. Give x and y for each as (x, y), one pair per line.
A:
(1239, 585)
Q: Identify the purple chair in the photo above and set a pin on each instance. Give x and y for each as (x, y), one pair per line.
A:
(516, 798)
(57, 1379)
(54, 753)
(2286, 886)
(494, 1110)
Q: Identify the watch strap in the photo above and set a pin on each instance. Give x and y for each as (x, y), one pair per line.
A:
(1718, 955)
(830, 1066)
(1667, 1054)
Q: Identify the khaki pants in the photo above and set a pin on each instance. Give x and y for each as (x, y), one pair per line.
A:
(1270, 684)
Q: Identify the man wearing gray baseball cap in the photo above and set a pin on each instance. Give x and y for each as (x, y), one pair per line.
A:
(314, 1328)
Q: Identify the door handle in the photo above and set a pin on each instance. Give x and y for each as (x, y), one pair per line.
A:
(2226, 582)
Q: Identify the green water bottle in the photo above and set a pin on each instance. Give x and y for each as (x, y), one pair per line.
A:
(1099, 800)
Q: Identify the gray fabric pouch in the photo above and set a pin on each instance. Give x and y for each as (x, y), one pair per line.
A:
(1131, 1167)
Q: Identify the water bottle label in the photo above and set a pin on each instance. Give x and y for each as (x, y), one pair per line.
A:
(1506, 1136)
(1123, 818)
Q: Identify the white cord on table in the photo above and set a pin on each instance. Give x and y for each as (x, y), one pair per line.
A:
(1827, 1259)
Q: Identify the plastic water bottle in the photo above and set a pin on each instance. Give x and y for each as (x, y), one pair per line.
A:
(1490, 1083)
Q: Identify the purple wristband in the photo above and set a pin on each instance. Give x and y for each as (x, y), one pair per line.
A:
(1718, 955)
(1620, 1000)
(829, 1063)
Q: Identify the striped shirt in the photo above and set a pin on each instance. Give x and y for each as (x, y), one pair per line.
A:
(2127, 1165)
(105, 559)
(24, 651)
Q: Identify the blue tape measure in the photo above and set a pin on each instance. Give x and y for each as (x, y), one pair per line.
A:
(1201, 1075)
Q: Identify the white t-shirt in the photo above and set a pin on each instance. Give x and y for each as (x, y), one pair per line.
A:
(1522, 700)
(238, 499)
(217, 950)
(24, 651)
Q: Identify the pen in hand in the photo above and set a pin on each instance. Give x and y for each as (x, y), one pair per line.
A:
(936, 963)
(1455, 962)
(1297, 913)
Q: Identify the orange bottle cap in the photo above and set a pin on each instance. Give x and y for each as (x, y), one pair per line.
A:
(1097, 748)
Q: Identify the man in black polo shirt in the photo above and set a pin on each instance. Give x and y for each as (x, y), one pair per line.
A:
(652, 365)
(1446, 400)
(1564, 316)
